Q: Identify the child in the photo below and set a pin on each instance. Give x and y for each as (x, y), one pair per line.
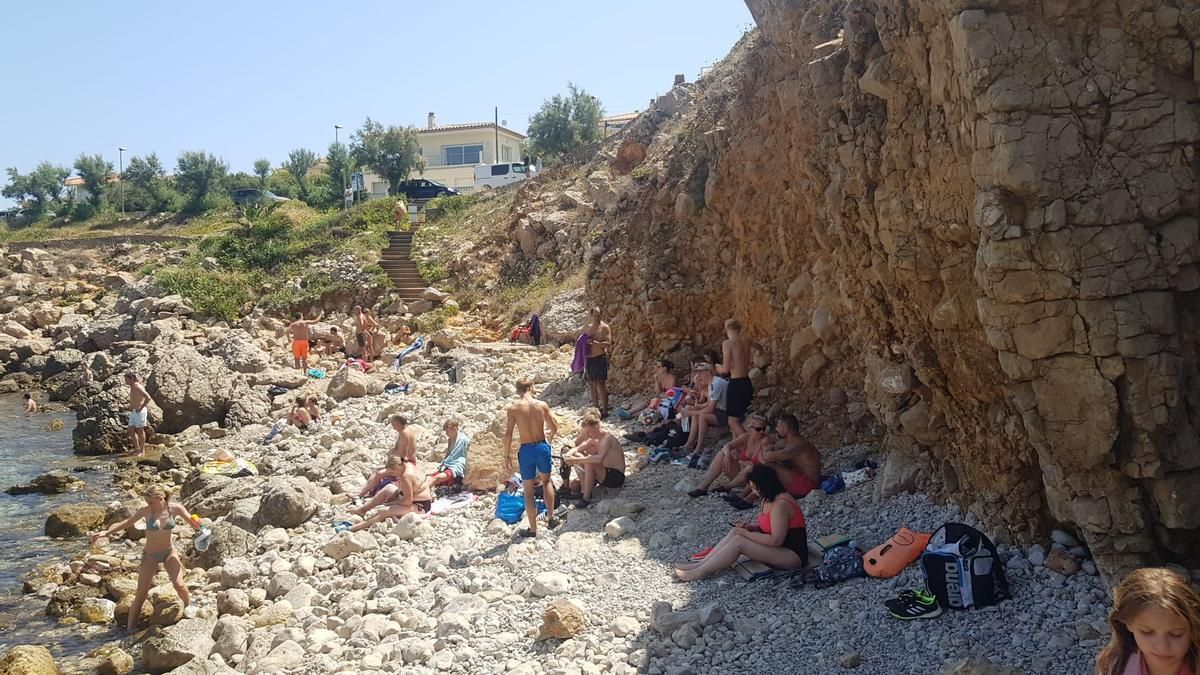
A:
(313, 408)
(31, 407)
(1155, 626)
(299, 415)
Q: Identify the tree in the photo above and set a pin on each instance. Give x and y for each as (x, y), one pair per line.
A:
(298, 163)
(340, 167)
(95, 173)
(393, 152)
(262, 169)
(197, 175)
(37, 189)
(147, 183)
(565, 123)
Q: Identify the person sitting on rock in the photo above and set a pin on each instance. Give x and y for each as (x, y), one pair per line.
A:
(663, 380)
(597, 457)
(795, 459)
(313, 408)
(406, 440)
(779, 538)
(31, 406)
(160, 514)
(708, 412)
(736, 457)
(406, 494)
(299, 416)
(453, 468)
(380, 486)
(332, 343)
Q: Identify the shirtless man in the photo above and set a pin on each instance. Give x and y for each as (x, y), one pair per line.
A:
(407, 493)
(735, 364)
(300, 334)
(797, 461)
(30, 405)
(362, 335)
(406, 440)
(532, 417)
(735, 459)
(333, 343)
(663, 380)
(597, 457)
(139, 412)
(599, 347)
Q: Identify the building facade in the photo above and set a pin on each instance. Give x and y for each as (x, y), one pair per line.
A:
(451, 152)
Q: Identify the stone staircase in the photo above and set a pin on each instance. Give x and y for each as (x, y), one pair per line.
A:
(397, 262)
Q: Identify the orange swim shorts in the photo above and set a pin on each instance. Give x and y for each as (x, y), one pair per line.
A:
(300, 349)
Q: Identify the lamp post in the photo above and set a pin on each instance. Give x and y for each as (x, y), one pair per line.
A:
(342, 170)
(121, 174)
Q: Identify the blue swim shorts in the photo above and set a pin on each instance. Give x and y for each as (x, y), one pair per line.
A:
(533, 458)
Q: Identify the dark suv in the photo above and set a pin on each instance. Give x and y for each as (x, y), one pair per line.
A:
(423, 188)
(255, 196)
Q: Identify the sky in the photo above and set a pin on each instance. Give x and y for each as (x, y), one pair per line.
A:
(246, 80)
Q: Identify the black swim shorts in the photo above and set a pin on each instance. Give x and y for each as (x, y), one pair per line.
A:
(612, 478)
(597, 368)
(738, 396)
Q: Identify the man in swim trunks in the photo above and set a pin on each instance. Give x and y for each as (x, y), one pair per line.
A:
(139, 412)
(597, 457)
(332, 343)
(300, 334)
(735, 364)
(532, 418)
(361, 335)
(797, 461)
(406, 440)
(599, 347)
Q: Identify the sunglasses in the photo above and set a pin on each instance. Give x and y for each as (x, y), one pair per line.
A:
(756, 428)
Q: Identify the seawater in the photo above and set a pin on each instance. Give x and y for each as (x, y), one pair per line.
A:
(28, 448)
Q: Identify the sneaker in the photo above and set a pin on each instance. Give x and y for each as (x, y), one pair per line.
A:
(702, 553)
(694, 461)
(582, 503)
(342, 526)
(913, 605)
(697, 493)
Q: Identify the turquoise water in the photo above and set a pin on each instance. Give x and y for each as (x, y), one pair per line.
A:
(28, 449)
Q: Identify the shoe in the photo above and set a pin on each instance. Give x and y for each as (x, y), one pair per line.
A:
(697, 493)
(682, 461)
(552, 523)
(582, 503)
(702, 553)
(342, 526)
(623, 414)
(526, 533)
(694, 461)
(740, 504)
(721, 488)
(913, 605)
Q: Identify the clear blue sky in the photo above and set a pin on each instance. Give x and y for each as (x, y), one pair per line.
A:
(257, 79)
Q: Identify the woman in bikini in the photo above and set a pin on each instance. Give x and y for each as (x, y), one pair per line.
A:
(403, 494)
(779, 538)
(160, 514)
(737, 457)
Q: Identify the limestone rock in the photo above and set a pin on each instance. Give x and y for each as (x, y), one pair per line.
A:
(239, 352)
(28, 660)
(74, 520)
(190, 389)
(176, 645)
(562, 620)
(352, 383)
(287, 502)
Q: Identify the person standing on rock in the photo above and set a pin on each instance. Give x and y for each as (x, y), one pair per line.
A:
(597, 457)
(599, 347)
(454, 467)
(735, 364)
(362, 336)
(406, 440)
(31, 407)
(299, 330)
(160, 514)
(139, 412)
(532, 418)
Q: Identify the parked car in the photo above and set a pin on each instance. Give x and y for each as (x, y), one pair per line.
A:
(254, 196)
(495, 175)
(423, 188)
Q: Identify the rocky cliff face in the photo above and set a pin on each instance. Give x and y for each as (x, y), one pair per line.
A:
(976, 221)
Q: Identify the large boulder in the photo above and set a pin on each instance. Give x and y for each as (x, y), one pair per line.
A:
(28, 660)
(237, 349)
(52, 483)
(103, 419)
(74, 520)
(191, 389)
(247, 405)
(228, 541)
(287, 502)
(352, 383)
(213, 496)
(100, 334)
(564, 317)
(176, 645)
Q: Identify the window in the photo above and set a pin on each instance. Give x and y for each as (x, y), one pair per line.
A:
(499, 169)
(505, 154)
(518, 168)
(463, 154)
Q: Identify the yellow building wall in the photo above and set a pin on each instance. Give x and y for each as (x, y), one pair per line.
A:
(460, 176)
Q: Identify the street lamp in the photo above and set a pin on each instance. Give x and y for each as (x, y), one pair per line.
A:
(121, 175)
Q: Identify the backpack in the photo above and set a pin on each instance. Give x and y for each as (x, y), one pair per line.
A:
(510, 507)
(659, 435)
(838, 563)
(675, 437)
(962, 569)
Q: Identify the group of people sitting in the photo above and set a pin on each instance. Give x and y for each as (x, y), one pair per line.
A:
(397, 489)
(369, 338)
(305, 413)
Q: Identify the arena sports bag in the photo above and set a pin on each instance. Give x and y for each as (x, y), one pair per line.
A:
(962, 568)
(892, 556)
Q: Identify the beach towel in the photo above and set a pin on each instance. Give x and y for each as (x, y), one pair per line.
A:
(454, 502)
(235, 469)
(752, 570)
(579, 361)
(416, 346)
(316, 373)
(535, 330)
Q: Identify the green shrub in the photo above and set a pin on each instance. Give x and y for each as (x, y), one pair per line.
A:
(376, 213)
(448, 204)
(218, 294)
(431, 270)
(435, 320)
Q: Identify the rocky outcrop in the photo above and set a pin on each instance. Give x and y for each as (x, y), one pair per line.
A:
(954, 194)
(28, 660)
(74, 520)
(239, 352)
(190, 388)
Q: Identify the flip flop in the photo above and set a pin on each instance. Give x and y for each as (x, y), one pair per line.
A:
(342, 526)
(702, 553)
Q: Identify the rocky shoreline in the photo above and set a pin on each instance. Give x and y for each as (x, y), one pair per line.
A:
(279, 591)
